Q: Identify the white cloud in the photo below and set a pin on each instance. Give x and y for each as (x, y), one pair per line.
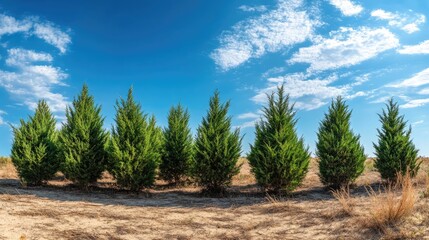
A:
(347, 7)
(272, 31)
(248, 115)
(424, 91)
(417, 122)
(247, 124)
(32, 26)
(415, 103)
(1, 117)
(246, 8)
(407, 22)
(346, 47)
(421, 48)
(9, 25)
(30, 82)
(52, 35)
(419, 79)
(309, 93)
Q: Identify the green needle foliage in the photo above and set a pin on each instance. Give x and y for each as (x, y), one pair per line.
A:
(177, 148)
(279, 158)
(135, 146)
(342, 158)
(395, 151)
(83, 141)
(217, 149)
(35, 149)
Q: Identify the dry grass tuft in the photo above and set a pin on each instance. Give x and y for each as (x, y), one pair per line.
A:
(389, 208)
(344, 198)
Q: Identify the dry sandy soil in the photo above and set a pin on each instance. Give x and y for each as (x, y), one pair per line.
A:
(60, 211)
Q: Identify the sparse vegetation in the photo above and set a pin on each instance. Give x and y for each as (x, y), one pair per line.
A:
(395, 151)
(135, 146)
(35, 148)
(342, 158)
(279, 158)
(217, 149)
(177, 149)
(83, 140)
(394, 204)
(344, 198)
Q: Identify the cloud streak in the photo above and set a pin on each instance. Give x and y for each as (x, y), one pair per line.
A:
(32, 26)
(407, 22)
(272, 31)
(346, 47)
(347, 7)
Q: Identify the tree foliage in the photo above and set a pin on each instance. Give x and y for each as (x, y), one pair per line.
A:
(35, 149)
(177, 148)
(135, 146)
(395, 151)
(279, 158)
(342, 158)
(83, 141)
(217, 148)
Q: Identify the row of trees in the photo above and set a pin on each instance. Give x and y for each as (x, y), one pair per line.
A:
(137, 150)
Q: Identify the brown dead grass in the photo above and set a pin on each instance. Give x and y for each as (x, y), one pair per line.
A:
(61, 211)
(343, 197)
(390, 207)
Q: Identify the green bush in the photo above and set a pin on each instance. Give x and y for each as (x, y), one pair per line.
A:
(177, 148)
(278, 157)
(395, 151)
(134, 147)
(217, 149)
(83, 141)
(35, 149)
(342, 158)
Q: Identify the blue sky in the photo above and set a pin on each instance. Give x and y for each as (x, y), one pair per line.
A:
(181, 51)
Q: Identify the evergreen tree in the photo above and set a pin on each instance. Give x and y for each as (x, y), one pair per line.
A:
(177, 147)
(83, 141)
(217, 149)
(395, 151)
(342, 158)
(35, 149)
(135, 146)
(278, 157)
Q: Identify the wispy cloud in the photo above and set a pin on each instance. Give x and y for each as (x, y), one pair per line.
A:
(418, 79)
(346, 47)
(248, 115)
(417, 122)
(309, 93)
(408, 22)
(246, 8)
(421, 48)
(31, 81)
(30, 75)
(347, 7)
(52, 35)
(415, 103)
(44, 30)
(272, 31)
(1, 117)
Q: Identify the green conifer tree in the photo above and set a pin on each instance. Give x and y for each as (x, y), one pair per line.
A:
(177, 148)
(135, 146)
(35, 149)
(83, 141)
(342, 158)
(395, 151)
(217, 149)
(279, 158)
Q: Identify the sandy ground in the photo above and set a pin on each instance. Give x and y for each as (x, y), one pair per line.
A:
(60, 211)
